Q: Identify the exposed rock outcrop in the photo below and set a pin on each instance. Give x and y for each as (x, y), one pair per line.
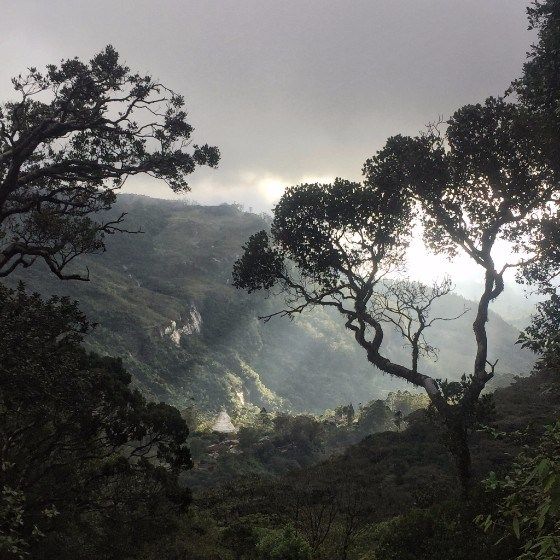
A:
(223, 424)
(191, 324)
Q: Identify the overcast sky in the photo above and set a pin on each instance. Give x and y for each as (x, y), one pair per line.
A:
(289, 90)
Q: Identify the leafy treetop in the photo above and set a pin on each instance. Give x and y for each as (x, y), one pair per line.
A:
(68, 143)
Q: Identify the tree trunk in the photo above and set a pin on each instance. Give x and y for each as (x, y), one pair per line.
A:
(456, 439)
(458, 446)
(464, 466)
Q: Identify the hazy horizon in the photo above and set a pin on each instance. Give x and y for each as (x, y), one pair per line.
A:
(290, 92)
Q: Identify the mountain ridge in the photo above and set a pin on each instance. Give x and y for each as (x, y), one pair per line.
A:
(163, 301)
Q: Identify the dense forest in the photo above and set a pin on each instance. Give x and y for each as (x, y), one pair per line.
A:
(181, 381)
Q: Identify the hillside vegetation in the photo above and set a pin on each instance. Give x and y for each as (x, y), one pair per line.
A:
(110, 446)
(163, 301)
(393, 495)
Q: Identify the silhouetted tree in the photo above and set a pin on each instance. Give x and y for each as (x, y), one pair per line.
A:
(539, 91)
(68, 143)
(543, 334)
(398, 419)
(539, 86)
(406, 305)
(486, 178)
(346, 412)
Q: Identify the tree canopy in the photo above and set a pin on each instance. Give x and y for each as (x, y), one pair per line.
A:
(69, 141)
(81, 451)
(538, 90)
(539, 86)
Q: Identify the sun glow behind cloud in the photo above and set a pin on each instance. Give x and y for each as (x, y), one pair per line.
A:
(424, 266)
(272, 188)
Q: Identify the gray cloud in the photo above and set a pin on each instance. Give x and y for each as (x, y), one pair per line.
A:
(292, 89)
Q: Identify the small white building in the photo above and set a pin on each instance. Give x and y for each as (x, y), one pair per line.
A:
(223, 424)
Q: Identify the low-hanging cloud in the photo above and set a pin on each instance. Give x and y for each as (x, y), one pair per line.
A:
(288, 90)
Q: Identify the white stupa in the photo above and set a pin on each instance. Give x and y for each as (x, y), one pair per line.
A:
(223, 424)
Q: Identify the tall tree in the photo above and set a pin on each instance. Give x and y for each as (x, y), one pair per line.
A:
(539, 86)
(68, 142)
(538, 90)
(486, 178)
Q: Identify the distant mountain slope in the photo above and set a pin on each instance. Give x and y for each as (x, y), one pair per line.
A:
(163, 301)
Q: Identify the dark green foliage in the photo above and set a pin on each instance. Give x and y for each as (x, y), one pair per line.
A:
(69, 141)
(90, 458)
(242, 539)
(396, 475)
(528, 500)
(346, 412)
(439, 533)
(265, 264)
(539, 86)
(300, 431)
(375, 416)
(279, 443)
(543, 334)
(312, 222)
(492, 177)
(406, 402)
(539, 92)
(195, 536)
(283, 544)
(268, 446)
(248, 437)
(12, 506)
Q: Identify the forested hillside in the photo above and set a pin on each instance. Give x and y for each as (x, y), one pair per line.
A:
(393, 495)
(163, 301)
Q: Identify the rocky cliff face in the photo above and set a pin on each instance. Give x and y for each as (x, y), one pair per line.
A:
(191, 324)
